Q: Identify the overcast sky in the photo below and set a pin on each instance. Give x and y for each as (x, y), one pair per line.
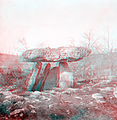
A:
(55, 23)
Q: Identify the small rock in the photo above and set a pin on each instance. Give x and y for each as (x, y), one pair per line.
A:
(99, 98)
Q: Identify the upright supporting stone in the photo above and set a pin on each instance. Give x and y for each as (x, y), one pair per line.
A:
(62, 55)
(46, 72)
(42, 79)
(52, 79)
(66, 77)
(39, 67)
(36, 71)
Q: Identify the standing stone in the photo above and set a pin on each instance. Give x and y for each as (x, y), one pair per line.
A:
(46, 72)
(52, 79)
(42, 78)
(33, 77)
(63, 75)
(66, 77)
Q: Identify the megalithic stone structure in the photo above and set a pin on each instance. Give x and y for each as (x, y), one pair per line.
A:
(61, 55)
(43, 79)
(33, 78)
(66, 76)
(52, 79)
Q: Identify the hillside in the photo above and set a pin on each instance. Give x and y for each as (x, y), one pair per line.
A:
(93, 67)
(94, 97)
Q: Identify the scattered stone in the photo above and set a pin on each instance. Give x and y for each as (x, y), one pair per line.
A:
(69, 104)
(99, 98)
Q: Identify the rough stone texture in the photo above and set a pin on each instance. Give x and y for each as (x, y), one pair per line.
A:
(66, 77)
(62, 55)
(52, 79)
(94, 100)
(56, 54)
(87, 103)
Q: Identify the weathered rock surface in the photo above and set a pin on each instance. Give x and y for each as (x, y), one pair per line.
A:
(52, 79)
(94, 100)
(62, 55)
(54, 55)
(88, 103)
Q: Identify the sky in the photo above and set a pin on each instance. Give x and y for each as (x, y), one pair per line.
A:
(28, 24)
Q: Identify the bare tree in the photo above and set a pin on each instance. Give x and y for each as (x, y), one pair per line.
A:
(92, 42)
(88, 37)
(21, 45)
(72, 42)
(110, 44)
(108, 40)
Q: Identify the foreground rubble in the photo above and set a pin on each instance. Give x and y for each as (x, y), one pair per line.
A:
(92, 98)
(57, 104)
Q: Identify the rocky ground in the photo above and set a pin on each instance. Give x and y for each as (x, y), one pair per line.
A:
(94, 97)
(91, 102)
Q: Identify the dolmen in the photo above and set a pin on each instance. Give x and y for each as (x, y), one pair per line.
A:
(44, 76)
